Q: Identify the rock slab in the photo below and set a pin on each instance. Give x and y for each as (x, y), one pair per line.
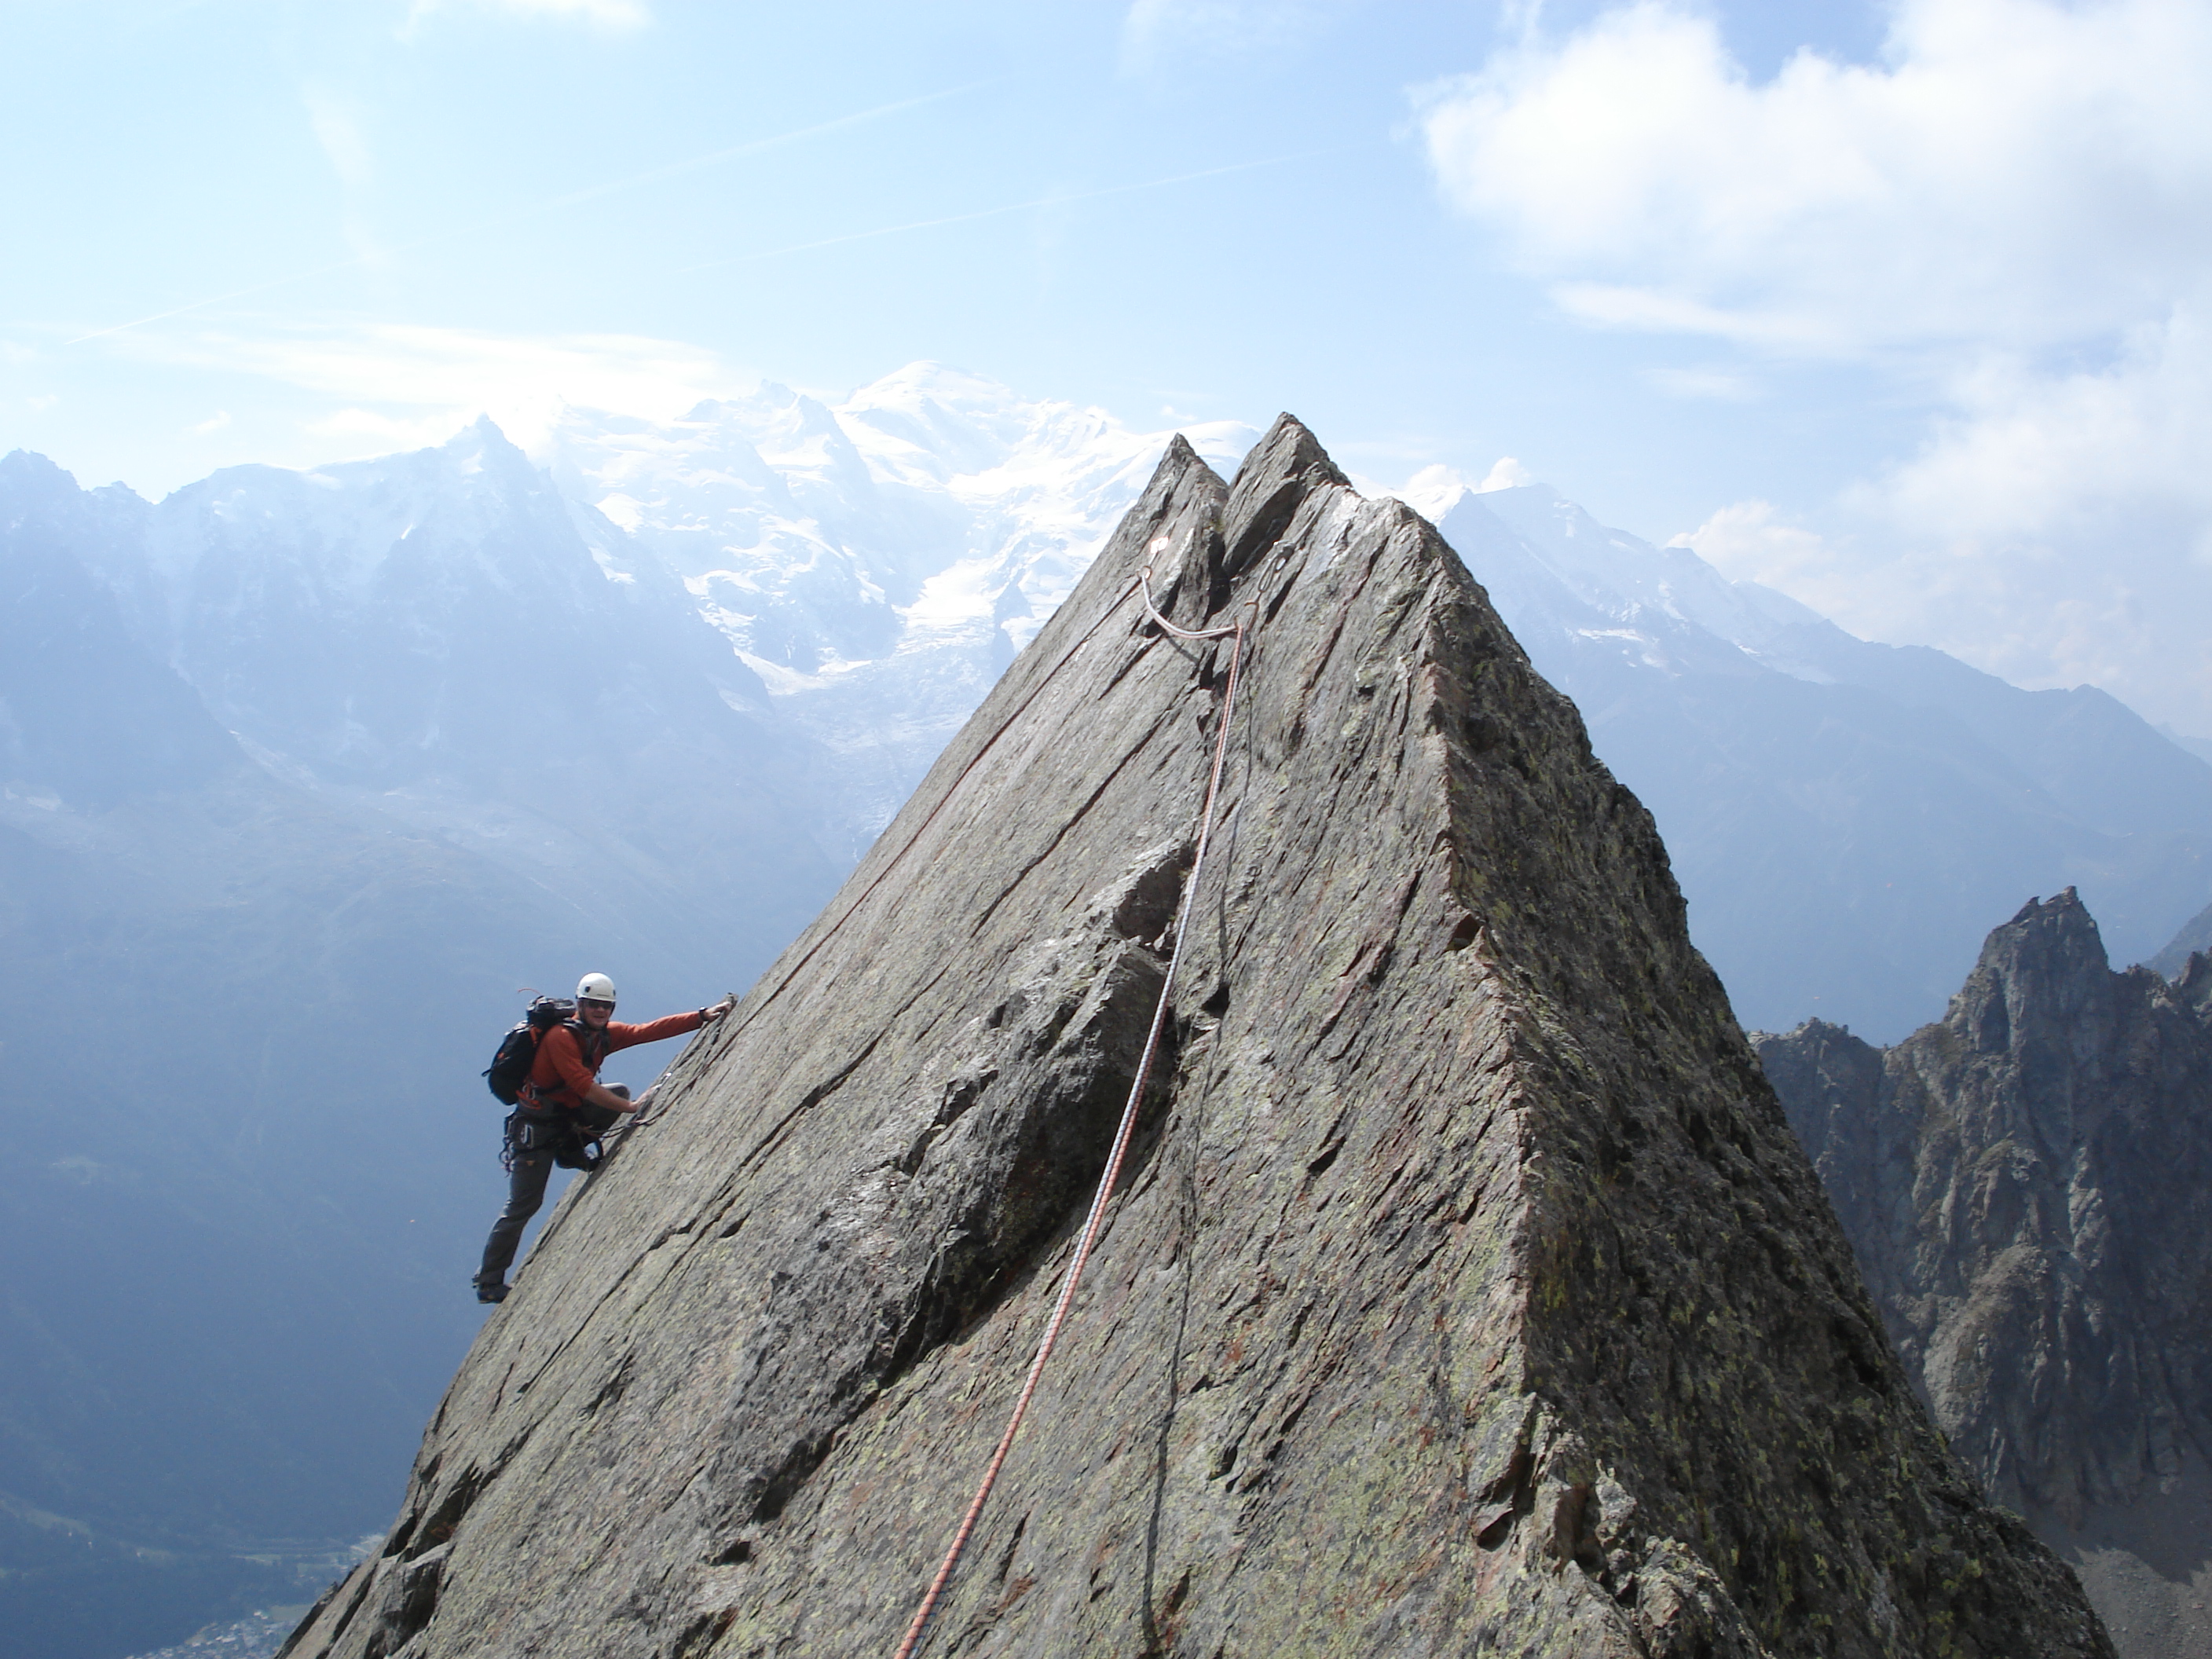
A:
(1466, 1292)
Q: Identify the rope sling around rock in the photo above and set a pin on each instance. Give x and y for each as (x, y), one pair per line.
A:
(1092, 1224)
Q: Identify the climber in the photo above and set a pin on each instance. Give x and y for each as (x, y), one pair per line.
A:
(563, 1109)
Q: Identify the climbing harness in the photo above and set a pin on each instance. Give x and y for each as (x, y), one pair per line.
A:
(1234, 633)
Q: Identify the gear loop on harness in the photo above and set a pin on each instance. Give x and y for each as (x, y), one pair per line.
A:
(1095, 1222)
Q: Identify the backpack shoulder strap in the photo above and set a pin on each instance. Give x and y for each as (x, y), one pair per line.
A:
(591, 1046)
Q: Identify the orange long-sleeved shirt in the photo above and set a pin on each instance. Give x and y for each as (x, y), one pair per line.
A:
(561, 1078)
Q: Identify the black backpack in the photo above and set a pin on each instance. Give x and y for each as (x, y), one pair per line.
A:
(518, 1050)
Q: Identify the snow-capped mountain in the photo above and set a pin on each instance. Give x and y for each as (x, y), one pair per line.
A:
(877, 562)
(1844, 816)
(444, 641)
(302, 773)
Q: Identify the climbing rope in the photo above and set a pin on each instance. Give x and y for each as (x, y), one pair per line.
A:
(1091, 1226)
(711, 1046)
(728, 1030)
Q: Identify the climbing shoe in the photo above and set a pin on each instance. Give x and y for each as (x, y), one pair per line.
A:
(490, 1290)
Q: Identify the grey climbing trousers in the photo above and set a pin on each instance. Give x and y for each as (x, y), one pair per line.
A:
(525, 1192)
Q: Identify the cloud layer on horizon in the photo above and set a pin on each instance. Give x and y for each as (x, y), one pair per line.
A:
(605, 13)
(386, 386)
(2011, 214)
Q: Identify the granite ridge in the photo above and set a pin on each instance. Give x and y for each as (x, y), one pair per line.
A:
(1466, 1292)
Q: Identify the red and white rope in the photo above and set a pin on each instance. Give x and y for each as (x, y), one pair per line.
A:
(1096, 1221)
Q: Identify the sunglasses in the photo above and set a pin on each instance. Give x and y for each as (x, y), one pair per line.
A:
(593, 1002)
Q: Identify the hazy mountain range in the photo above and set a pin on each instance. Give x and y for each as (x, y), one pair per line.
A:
(282, 828)
(302, 774)
(1844, 816)
(1466, 1290)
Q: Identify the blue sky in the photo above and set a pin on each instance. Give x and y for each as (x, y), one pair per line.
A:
(1898, 307)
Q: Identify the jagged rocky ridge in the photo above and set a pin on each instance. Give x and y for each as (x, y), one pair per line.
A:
(2028, 1186)
(1467, 1292)
(2195, 935)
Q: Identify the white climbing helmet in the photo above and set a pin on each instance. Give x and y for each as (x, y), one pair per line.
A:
(596, 988)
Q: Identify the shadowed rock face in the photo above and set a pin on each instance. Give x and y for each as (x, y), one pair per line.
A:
(2028, 1186)
(1466, 1292)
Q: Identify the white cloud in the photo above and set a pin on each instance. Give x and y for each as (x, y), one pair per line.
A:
(1725, 385)
(412, 366)
(1435, 489)
(2033, 453)
(392, 386)
(2011, 212)
(2069, 520)
(2016, 169)
(1746, 541)
(381, 434)
(1506, 473)
(337, 125)
(2056, 529)
(2111, 608)
(213, 424)
(1432, 492)
(1156, 32)
(605, 13)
